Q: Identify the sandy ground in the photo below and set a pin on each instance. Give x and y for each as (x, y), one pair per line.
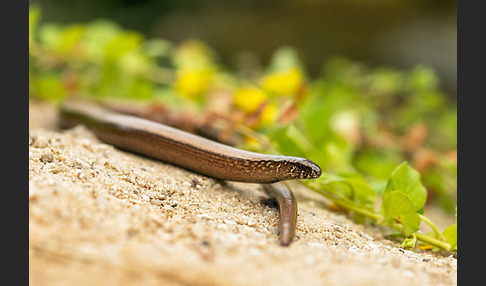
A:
(101, 216)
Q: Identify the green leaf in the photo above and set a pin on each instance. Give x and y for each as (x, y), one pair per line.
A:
(450, 233)
(376, 163)
(359, 191)
(354, 189)
(397, 206)
(121, 45)
(407, 180)
(409, 242)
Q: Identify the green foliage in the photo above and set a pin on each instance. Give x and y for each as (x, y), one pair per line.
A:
(397, 206)
(352, 189)
(97, 59)
(450, 233)
(381, 135)
(406, 180)
(409, 242)
(401, 205)
(404, 197)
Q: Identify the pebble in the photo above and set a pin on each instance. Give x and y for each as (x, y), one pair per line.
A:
(145, 197)
(251, 222)
(186, 184)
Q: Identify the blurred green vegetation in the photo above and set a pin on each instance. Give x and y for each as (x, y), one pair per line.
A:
(396, 33)
(357, 122)
(353, 120)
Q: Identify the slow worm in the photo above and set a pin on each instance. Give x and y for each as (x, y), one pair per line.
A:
(196, 153)
(287, 206)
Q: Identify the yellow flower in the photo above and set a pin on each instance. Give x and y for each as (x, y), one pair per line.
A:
(285, 82)
(268, 115)
(249, 99)
(193, 82)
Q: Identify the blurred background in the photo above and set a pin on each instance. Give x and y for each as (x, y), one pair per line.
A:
(394, 33)
(358, 86)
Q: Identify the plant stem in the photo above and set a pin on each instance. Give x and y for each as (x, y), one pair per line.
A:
(425, 238)
(433, 241)
(350, 206)
(438, 234)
